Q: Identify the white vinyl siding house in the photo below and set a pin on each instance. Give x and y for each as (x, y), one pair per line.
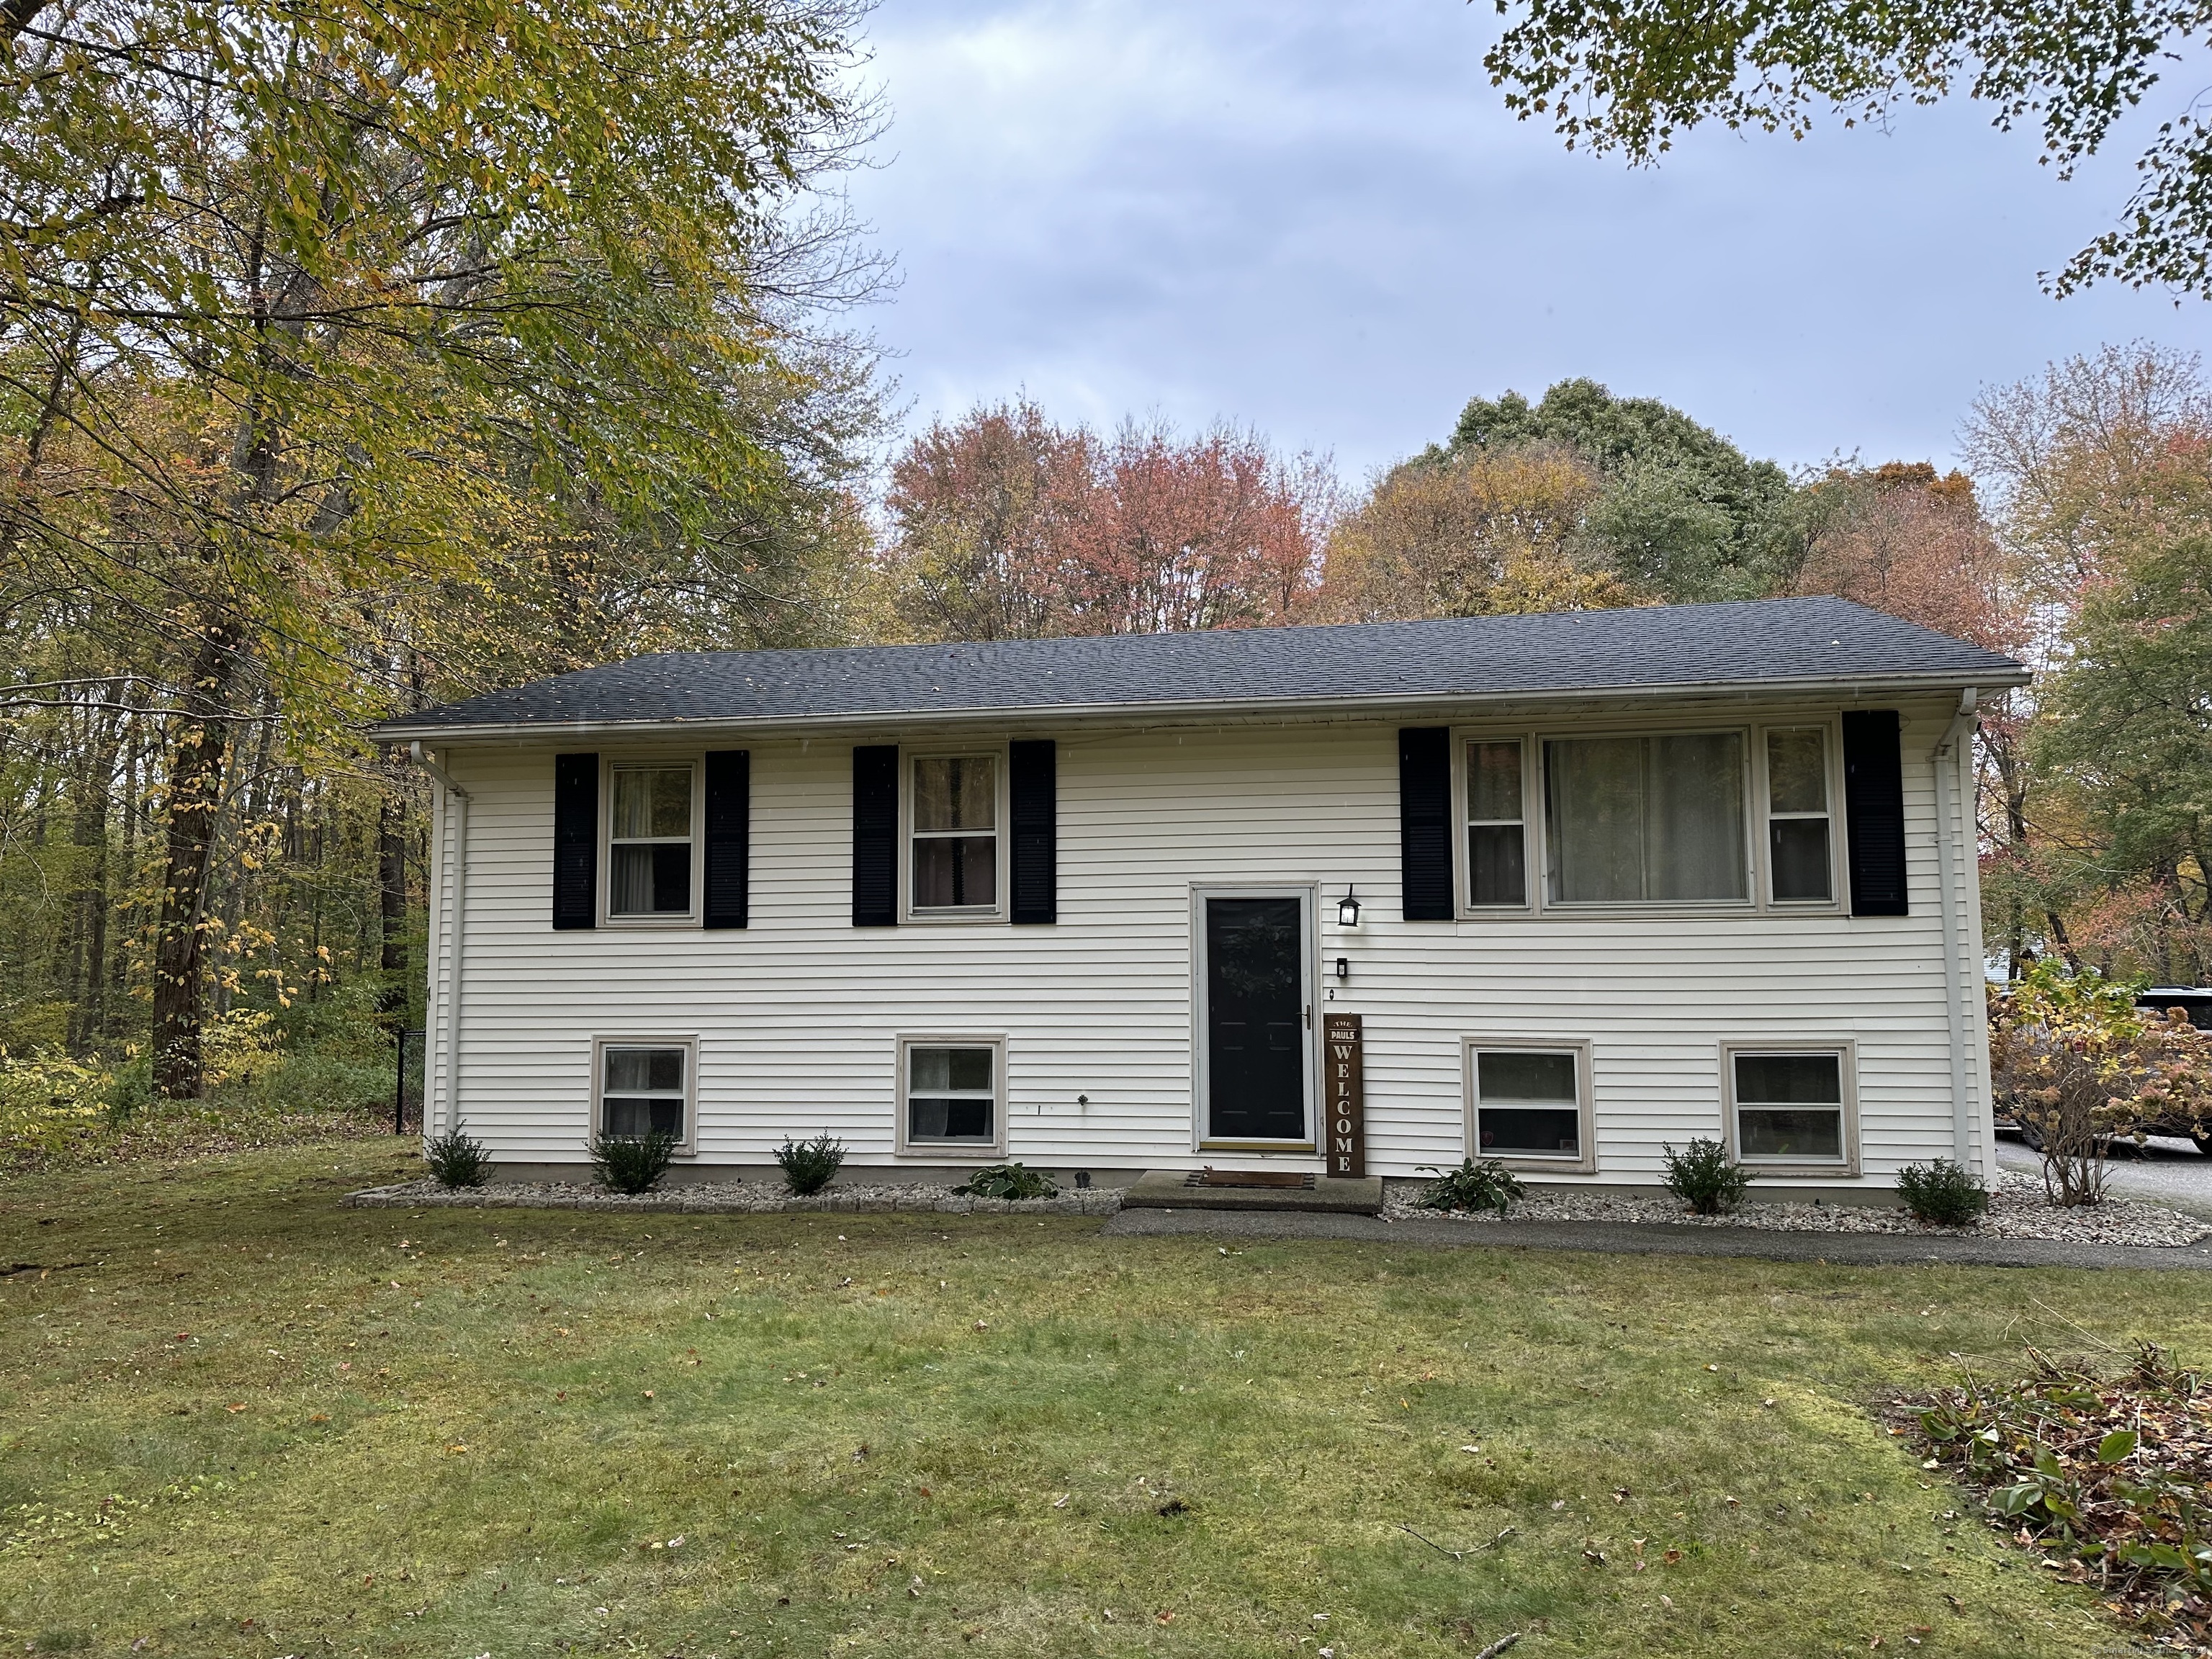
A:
(1649, 923)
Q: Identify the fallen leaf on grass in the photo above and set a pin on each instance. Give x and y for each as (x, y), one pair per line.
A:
(240, 1406)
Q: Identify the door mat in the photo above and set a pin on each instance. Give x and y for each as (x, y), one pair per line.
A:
(1189, 1190)
(1277, 1178)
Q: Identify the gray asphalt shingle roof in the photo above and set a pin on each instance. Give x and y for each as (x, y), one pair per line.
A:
(1763, 642)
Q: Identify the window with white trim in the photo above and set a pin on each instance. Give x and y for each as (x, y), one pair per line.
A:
(645, 1088)
(951, 1094)
(954, 833)
(1497, 825)
(1792, 1106)
(1645, 820)
(1798, 839)
(1528, 1103)
(650, 839)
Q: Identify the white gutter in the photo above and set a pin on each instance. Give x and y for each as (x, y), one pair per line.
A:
(1945, 758)
(455, 803)
(1434, 703)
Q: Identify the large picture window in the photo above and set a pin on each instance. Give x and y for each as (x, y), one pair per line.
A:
(1802, 865)
(645, 1088)
(1529, 1102)
(1641, 820)
(951, 1094)
(1792, 1106)
(1496, 828)
(649, 841)
(955, 834)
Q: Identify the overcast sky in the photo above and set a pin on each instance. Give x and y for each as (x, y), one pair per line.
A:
(1316, 218)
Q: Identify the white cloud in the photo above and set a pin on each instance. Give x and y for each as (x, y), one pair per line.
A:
(1318, 218)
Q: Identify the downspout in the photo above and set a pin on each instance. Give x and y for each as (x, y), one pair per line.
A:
(449, 1032)
(1945, 758)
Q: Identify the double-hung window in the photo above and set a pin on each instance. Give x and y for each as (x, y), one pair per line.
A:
(1496, 828)
(645, 1088)
(1792, 1107)
(954, 836)
(1801, 866)
(649, 839)
(951, 1094)
(1529, 1100)
(1645, 820)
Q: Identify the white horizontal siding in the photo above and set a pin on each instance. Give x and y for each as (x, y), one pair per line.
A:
(797, 1015)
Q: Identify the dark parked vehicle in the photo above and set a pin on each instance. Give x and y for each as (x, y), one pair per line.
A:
(2196, 999)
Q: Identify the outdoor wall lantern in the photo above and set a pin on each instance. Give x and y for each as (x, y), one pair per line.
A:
(1344, 967)
(1348, 912)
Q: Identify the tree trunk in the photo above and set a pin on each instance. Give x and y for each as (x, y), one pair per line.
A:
(196, 780)
(88, 974)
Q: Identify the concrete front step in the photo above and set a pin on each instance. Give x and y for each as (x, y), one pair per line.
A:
(1170, 1189)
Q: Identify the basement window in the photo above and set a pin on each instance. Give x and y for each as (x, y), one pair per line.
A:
(1528, 1102)
(1792, 1108)
(645, 1088)
(951, 1094)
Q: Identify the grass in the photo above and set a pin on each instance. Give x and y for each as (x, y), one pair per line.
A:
(236, 1420)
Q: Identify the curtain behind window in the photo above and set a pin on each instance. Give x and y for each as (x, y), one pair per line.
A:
(1645, 819)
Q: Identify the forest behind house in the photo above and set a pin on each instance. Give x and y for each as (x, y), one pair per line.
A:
(351, 364)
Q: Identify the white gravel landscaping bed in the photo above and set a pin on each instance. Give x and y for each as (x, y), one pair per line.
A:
(2017, 1209)
(742, 1197)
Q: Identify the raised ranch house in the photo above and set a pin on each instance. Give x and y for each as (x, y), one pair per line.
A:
(1590, 883)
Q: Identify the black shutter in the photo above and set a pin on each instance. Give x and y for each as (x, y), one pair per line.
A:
(729, 836)
(1873, 811)
(575, 841)
(1033, 781)
(1425, 821)
(875, 835)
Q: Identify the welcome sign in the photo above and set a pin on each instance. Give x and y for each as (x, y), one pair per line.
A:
(1344, 1095)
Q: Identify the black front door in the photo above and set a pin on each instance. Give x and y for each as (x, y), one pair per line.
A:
(1255, 1013)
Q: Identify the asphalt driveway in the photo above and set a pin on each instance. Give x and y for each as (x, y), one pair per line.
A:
(2166, 1171)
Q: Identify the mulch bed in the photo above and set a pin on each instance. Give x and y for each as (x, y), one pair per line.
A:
(2102, 1473)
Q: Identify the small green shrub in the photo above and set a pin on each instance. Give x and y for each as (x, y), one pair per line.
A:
(1944, 1192)
(1009, 1181)
(631, 1163)
(455, 1160)
(1488, 1185)
(810, 1165)
(1704, 1179)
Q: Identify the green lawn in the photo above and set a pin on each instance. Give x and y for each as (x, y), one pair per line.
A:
(254, 1423)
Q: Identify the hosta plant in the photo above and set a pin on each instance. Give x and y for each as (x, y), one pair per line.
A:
(1488, 1185)
(1009, 1181)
